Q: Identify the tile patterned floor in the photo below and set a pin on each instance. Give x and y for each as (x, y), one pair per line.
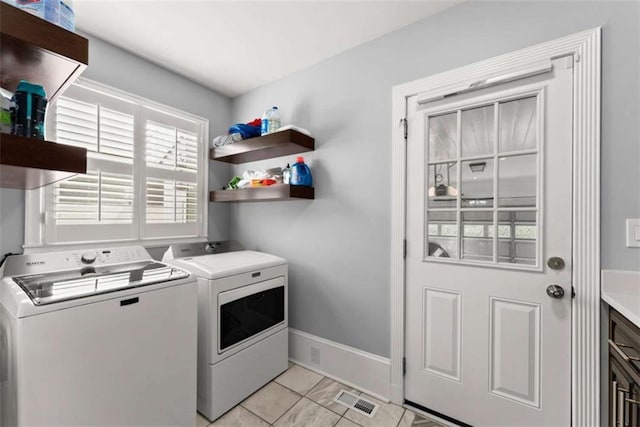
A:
(300, 397)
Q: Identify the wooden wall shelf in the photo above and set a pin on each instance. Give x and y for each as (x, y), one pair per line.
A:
(275, 144)
(258, 194)
(39, 52)
(28, 163)
(46, 54)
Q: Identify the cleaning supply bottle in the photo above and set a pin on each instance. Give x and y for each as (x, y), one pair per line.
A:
(270, 121)
(67, 15)
(44, 9)
(300, 173)
(286, 174)
(274, 120)
(27, 116)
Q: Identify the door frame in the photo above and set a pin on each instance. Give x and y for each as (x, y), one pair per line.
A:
(585, 311)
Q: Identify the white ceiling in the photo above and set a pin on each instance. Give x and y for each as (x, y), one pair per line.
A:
(235, 46)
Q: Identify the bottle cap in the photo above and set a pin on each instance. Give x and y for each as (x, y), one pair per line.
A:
(299, 159)
(28, 87)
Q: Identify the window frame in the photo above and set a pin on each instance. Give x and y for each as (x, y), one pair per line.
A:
(35, 200)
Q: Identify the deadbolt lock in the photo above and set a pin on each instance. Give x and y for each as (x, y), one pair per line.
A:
(555, 263)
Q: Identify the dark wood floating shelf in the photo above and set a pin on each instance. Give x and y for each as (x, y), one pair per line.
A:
(275, 144)
(257, 194)
(46, 54)
(28, 163)
(39, 52)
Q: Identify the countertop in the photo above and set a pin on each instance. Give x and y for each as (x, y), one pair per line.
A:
(621, 290)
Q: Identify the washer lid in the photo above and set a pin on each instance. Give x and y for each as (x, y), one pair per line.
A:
(229, 264)
(61, 286)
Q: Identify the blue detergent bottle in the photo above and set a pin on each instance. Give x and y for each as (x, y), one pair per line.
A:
(300, 173)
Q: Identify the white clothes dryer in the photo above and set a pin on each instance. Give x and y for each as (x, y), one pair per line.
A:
(242, 320)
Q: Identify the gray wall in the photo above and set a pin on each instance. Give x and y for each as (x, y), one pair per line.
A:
(115, 67)
(338, 244)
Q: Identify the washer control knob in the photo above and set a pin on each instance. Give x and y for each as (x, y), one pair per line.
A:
(88, 257)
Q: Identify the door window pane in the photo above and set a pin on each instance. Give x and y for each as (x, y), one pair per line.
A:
(443, 134)
(443, 185)
(477, 131)
(520, 247)
(518, 125)
(517, 181)
(475, 245)
(443, 234)
(477, 184)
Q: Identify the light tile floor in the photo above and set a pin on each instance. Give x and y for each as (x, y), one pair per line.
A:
(300, 397)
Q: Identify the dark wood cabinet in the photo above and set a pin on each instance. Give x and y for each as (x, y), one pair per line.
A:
(624, 372)
(276, 144)
(43, 53)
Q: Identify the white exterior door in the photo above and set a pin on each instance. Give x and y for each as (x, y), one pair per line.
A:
(489, 179)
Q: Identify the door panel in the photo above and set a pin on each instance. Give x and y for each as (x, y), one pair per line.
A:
(515, 350)
(442, 332)
(485, 344)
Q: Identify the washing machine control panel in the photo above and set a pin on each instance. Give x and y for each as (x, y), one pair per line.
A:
(40, 263)
(107, 256)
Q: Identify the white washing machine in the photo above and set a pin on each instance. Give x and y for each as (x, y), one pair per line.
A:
(242, 321)
(105, 337)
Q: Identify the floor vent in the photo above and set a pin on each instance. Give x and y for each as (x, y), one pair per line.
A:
(356, 403)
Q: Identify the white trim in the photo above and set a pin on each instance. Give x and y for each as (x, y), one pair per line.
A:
(355, 368)
(131, 97)
(534, 70)
(585, 350)
(104, 244)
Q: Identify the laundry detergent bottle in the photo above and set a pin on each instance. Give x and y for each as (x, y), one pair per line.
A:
(300, 173)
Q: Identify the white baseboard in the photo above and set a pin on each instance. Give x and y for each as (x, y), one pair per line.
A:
(355, 368)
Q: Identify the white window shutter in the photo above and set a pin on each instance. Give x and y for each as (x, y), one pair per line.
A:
(77, 123)
(94, 198)
(187, 151)
(145, 170)
(160, 145)
(116, 133)
(77, 200)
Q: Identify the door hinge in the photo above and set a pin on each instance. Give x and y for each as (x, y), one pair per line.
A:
(404, 248)
(573, 292)
(404, 366)
(406, 130)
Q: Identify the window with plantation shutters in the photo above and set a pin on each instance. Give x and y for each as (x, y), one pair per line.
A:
(145, 175)
(171, 173)
(94, 198)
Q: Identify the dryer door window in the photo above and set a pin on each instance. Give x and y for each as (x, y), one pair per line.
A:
(247, 316)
